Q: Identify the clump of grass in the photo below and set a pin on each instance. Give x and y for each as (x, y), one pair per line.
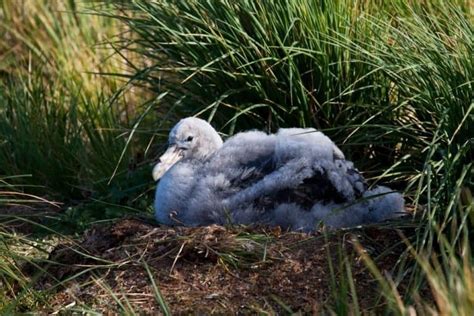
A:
(271, 60)
(302, 63)
(16, 291)
(61, 136)
(450, 276)
(15, 285)
(343, 292)
(432, 70)
(52, 138)
(68, 148)
(58, 38)
(61, 122)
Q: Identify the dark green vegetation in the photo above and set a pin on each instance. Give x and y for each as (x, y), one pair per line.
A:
(86, 98)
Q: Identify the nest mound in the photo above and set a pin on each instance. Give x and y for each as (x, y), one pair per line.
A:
(131, 265)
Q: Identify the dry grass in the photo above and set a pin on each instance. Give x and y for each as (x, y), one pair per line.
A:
(215, 269)
(56, 37)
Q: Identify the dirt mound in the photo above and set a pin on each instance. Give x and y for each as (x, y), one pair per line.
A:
(131, 265)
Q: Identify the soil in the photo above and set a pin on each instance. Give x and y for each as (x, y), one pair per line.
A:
(25, 219)
(126, 266)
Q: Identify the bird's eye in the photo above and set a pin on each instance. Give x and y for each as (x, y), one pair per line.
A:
(189, 139)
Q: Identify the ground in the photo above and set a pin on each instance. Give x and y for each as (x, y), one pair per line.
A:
(132, 265)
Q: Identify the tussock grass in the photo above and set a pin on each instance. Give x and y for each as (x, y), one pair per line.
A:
(61, 123)
(58, 38)
(335, 65)
(56, 138)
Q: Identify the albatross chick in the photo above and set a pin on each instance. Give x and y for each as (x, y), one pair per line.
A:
(296, 178)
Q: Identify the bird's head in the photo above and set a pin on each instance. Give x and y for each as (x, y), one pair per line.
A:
(191, 138)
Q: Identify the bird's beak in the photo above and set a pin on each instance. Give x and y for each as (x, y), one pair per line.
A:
(172, 155)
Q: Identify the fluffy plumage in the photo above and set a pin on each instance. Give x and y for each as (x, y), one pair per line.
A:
(296, 178)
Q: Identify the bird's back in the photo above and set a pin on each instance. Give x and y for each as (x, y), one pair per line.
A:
(254, 173)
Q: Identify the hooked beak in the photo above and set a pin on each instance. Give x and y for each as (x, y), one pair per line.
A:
(172, 155)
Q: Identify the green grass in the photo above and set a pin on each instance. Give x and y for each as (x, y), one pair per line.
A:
(86, 99)
(69, 147)
(57, 39)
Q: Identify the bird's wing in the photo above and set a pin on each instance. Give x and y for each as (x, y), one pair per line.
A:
(267, 170)
(303, 183)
